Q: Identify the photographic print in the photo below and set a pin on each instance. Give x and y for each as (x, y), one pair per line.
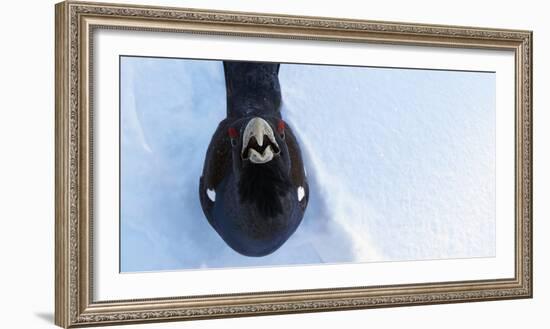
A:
(232, 164)
(215, 164)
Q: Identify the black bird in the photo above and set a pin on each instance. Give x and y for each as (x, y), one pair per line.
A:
(253, 188)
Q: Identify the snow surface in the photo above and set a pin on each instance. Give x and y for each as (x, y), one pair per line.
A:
(401, 164)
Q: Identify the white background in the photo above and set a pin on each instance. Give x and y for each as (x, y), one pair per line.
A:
(27, 168)
(112, 285)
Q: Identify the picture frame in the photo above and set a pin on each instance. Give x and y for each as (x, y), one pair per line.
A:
(77, 130)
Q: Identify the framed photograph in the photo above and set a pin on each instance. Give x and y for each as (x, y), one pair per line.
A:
(218, 164)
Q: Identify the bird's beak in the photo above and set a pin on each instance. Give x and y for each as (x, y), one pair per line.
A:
(259, 144)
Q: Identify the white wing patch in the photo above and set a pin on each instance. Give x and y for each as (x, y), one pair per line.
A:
(301, 193)
(211, 194)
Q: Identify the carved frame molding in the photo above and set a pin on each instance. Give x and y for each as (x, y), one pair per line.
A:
(76, 22)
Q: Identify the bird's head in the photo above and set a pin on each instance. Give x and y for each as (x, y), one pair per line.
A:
(261, 161)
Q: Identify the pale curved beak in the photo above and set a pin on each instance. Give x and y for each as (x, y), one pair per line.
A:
(259, 144)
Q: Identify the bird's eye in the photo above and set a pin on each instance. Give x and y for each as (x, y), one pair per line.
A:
(281, 128)
(233, 134)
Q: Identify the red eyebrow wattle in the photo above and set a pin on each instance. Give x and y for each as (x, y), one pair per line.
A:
(232, 132)
(281, 126)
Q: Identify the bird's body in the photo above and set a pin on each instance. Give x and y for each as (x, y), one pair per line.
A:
(253, 190)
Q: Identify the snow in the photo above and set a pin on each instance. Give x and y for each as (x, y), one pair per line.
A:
(400, 162)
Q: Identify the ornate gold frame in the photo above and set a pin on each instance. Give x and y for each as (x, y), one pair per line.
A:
(76, 21)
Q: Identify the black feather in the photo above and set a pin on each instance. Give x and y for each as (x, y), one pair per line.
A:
(264, 185)
(252, 89)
